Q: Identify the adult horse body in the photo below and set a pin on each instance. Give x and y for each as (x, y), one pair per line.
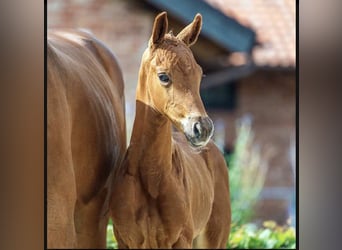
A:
(167, 193)
(86, 138)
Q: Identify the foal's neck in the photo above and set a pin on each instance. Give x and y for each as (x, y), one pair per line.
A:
(151, 134)
(150, 147)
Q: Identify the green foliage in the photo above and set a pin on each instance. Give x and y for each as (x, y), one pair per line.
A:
(247, 171)
(246, 236)
(271, 236)
(111, 241)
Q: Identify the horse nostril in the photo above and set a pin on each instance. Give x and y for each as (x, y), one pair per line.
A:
(197, 129)
(210, 126)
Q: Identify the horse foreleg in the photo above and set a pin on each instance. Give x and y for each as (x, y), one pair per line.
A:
(121, 244)
(60, 225)
(184, 242)
(217, 229)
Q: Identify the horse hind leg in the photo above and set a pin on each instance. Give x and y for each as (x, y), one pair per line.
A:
(61, 231)
(60, 211)
(61, 196)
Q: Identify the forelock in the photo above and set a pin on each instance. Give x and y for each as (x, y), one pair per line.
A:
(174, 52)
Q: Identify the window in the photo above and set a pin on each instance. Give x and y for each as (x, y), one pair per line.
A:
(220, 98)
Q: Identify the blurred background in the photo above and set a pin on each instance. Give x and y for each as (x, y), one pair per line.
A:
(247, 50)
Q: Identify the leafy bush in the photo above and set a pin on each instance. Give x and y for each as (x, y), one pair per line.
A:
(271, 236)
(247, 171)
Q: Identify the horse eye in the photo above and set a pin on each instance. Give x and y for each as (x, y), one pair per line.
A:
(164, 79)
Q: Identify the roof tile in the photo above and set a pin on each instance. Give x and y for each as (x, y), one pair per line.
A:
(274, 23)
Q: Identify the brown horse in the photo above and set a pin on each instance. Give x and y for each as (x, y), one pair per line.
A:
(172, 189)
(86, 138)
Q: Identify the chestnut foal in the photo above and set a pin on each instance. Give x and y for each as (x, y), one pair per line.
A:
(172, 189)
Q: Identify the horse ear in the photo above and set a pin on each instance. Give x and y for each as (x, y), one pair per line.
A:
(191, 32)
(160, 27)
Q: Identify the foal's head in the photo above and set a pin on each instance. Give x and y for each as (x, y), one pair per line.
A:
(172, 79)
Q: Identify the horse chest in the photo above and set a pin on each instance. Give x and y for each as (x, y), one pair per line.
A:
(146, 221)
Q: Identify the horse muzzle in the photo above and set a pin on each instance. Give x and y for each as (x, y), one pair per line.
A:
(198, 130)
